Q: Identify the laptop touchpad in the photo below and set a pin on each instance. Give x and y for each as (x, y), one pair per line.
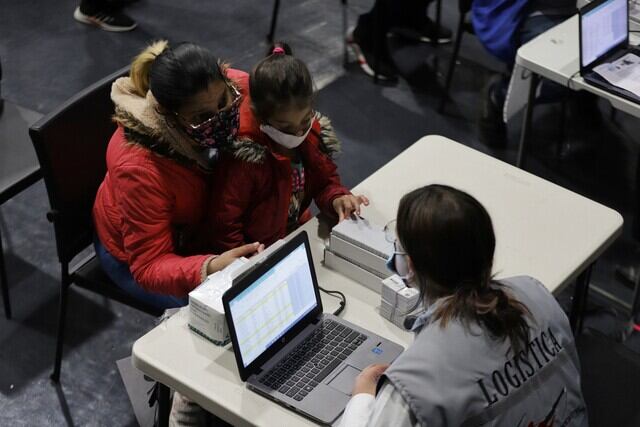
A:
(343, 382)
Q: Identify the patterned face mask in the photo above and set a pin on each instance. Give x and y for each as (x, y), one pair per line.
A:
(220, 129)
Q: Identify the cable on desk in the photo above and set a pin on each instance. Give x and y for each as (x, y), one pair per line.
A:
(336, 294)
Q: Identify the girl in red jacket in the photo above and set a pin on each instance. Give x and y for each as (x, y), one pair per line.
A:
(174, 111)
(280, 162)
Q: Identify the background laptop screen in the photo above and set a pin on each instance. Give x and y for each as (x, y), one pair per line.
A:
(603, 27)
(273, 304)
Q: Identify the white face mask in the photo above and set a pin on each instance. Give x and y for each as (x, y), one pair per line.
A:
(285, 139)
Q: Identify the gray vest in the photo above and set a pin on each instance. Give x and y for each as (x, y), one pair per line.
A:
(461, 377)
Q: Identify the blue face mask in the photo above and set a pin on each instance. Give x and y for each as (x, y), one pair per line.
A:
(397, 263)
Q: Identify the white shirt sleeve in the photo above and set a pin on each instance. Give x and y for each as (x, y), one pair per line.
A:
(388, 408)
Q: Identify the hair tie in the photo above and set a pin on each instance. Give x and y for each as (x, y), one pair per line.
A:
(278, 51)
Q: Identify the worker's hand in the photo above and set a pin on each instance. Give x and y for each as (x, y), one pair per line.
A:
(367, 380)
(223, 260)
(348, 204)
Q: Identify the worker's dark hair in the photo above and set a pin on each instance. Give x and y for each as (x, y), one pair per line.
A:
(279, 81)
(449, 237)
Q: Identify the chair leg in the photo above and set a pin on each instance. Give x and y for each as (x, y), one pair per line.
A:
(4, 283)
(62, 315)
(345, 28)
(274, 21)
(438, 20)
(452, 64)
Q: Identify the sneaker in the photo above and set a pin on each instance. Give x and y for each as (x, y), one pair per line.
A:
(426, 33)
(108, 20)
(366, 59)
(492, 130)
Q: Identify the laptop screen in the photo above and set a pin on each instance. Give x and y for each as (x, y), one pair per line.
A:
(273, 304)
(603, 28)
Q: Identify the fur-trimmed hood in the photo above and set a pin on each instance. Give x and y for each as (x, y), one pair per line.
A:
(145, 126)
(251, 150)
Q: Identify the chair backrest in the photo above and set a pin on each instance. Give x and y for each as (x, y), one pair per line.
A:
(71, 145)
(464, 6)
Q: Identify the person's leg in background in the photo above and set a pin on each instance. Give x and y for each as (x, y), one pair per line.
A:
(386, 15)
(104, 14)
(492, 130)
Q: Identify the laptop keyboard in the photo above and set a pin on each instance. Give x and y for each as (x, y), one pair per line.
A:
(313, 359)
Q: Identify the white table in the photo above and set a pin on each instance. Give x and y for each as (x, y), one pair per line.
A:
(555, 56)
(542, 230)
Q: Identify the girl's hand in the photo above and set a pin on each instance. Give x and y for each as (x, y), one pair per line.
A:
(348, 204)
(367, 380)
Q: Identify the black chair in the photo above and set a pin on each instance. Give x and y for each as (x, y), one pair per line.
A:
(345, 22)
(19, 170)
(464, 6)
(71, 144)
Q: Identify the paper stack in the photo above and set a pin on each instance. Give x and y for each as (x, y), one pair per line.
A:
(359, 249)
(397, 300)
(206, 312)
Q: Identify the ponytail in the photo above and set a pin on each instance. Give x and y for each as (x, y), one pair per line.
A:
(279, 81)
(141, 66)
(491, 306)
(175, 74)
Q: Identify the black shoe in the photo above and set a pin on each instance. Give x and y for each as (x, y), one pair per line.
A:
(108, 20)
(386, 70)
(492, 131)
(426, 33)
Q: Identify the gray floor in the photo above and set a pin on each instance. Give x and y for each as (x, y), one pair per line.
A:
(47, 56)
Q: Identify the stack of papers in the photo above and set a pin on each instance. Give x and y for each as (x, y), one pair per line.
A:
(206, 312)
(398, 301)
(359, 249)
(623, 72)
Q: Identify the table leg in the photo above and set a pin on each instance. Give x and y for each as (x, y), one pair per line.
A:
(526, 125)
(579, 302)
(164, 405)
(635, 226)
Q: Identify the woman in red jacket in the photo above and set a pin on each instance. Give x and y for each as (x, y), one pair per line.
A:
(280, 162)
(174, 111)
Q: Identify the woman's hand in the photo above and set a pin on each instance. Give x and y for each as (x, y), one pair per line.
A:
(223, 260)
(367, 380)
(348, 204)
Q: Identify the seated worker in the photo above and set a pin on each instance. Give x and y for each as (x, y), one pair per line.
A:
(408, 16)
(178, 105)
(502, 26)
(486, 352)
(280, 162)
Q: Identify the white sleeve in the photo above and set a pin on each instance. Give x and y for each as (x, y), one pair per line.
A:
(388, 408)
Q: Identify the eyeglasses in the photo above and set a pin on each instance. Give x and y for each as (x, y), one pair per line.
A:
(234, 103)
(391, 236)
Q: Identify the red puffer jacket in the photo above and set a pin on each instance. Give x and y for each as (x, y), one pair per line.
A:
(140, 208)
(251, 186)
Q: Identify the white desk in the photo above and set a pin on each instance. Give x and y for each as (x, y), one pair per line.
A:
(542, 230)
(555, 56)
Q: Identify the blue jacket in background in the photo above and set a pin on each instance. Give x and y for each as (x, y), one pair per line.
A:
(496, 22)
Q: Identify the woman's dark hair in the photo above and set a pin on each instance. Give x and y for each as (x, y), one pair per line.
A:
(174, 74)
(449, 237)
(279, 81)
